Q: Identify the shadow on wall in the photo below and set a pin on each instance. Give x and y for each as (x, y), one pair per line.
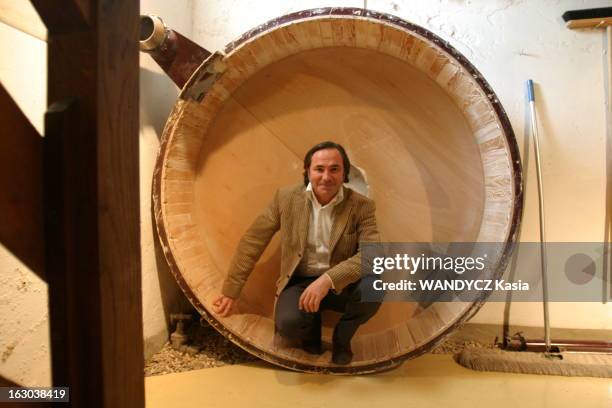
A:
(157, 97)
(22, 231)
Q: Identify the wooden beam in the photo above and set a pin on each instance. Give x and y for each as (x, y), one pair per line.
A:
(21, 229)
(64, 16)
(22, 16)
(92, 203)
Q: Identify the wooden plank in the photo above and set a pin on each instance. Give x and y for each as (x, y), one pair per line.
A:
(22, 16)
(68, 295)
(64, 16)
(92, 193)
(21, 229)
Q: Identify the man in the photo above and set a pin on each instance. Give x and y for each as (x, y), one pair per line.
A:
(321, 224)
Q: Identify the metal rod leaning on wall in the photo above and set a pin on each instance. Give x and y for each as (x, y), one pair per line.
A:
(536, 146)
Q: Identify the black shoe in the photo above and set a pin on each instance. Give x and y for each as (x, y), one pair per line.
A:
(312, 346)
(341, 355)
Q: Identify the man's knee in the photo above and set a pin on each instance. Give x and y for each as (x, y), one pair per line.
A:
(288, 324)
(362, 290)
(359, 301)
(367, 310)
(293, 324)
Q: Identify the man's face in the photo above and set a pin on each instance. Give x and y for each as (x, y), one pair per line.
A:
(326, 174)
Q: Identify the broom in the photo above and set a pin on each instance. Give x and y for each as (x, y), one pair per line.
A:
(566, 358)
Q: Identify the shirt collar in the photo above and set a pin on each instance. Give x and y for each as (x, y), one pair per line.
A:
(335, 201)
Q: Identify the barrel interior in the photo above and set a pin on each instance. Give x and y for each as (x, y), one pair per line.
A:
(411, 118)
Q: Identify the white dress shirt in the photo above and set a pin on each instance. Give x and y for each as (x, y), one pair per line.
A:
(316, 255)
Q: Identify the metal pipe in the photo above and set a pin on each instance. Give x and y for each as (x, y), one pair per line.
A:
(153, 33)
(520, 343)
(534, 130)
(569, 345)
(561, 346)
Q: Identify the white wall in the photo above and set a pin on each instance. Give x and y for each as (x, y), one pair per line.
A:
(24, 324)
(509, 41)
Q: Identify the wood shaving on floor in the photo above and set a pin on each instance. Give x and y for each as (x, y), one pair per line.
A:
(216, 351)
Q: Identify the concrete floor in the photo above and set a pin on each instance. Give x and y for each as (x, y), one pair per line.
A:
(428, 381)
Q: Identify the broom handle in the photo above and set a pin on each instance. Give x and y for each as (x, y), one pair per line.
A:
(534, 130)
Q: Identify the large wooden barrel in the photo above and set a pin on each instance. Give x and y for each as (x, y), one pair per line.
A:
(430, 142)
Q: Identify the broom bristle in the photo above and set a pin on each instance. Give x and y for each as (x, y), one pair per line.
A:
(572, 364)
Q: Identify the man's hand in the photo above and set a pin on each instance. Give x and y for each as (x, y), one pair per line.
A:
(315, 292)
(224, 306)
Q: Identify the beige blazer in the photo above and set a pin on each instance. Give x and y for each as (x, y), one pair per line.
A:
(289, 212)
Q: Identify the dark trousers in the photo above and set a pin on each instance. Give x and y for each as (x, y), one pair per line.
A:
(301, 325)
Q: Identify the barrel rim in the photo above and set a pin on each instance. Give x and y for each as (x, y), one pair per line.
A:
(512, 148)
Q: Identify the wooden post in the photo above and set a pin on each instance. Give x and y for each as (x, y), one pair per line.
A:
(92, 200)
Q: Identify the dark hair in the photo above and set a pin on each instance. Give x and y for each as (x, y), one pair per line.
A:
(346, 163)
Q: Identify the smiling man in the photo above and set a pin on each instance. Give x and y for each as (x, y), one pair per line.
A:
(321, 223)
